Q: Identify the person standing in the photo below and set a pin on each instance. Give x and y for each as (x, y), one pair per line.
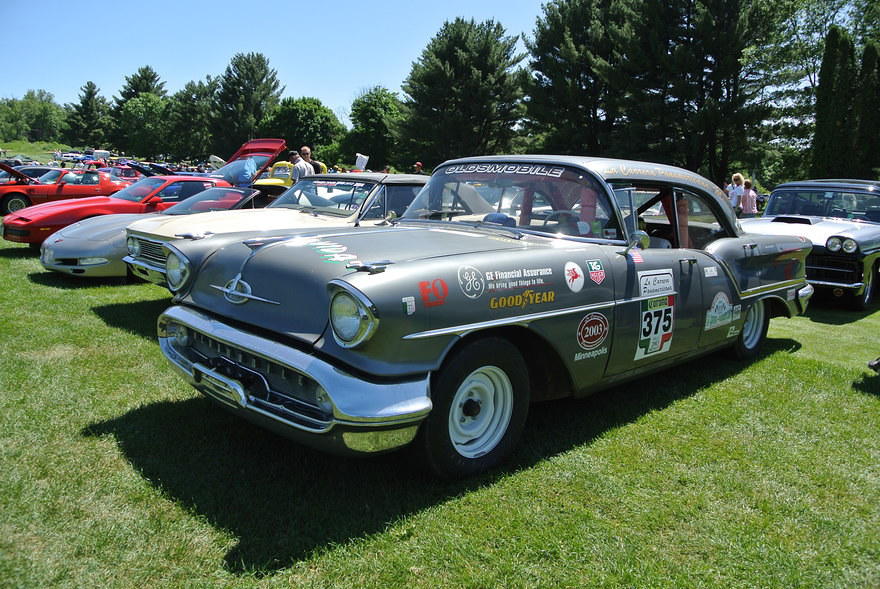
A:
(301, 168)
(417, 168)
(749, 201)
(735, 191)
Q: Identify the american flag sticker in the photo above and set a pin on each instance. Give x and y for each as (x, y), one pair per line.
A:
(636, 256)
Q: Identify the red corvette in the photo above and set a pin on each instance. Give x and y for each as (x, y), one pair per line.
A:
(54, 185)
(148, 195)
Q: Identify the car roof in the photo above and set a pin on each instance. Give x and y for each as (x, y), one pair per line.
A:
(834, 183)
(372, 177)
(610, 169)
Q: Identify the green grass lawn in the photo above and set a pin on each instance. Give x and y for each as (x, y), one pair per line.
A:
(40, 151)
(114, 473)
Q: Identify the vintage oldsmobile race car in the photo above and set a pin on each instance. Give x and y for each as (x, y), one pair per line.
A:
(509, 279)
(842, 220)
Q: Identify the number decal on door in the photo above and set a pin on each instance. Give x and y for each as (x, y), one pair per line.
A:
(658, 320)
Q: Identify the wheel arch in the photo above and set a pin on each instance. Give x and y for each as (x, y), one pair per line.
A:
(548, 376)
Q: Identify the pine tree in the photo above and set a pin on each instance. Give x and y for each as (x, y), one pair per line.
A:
(144, 81)
(834, 107)
(374, 116)
(463, 94)
(248, 91)
(190, 115)
(89, 119)
(866, 147)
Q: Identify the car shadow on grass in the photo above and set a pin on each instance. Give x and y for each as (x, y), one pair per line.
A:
(830, 311)
(868, 383)
(66, 281)
(15, 252)
(138, 317)
(284, 501)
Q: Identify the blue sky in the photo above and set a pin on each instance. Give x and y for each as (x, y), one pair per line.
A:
(329, 50)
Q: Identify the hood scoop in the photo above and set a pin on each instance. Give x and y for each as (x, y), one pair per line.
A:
(798, 220)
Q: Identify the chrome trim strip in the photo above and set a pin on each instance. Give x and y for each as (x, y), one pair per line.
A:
(837, 284)
(521, 319)
(356, 402)
(769, 288)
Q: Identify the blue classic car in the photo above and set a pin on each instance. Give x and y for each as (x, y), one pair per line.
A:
(509, 279)
(842, 220)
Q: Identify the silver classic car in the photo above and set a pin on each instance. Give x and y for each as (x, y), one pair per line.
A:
(318, 201)
(510, 279)
(842, 220)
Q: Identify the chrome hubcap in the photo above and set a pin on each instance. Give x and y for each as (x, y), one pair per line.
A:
(753, 325)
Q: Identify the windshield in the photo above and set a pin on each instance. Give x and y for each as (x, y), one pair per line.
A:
(549, 199)
(242, 171)
(51, 176)
(333, 197)
(137, 191)
(825, 203)
(213, 199)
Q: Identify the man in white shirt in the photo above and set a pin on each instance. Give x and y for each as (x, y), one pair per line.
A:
(735, 192)
(301, 168)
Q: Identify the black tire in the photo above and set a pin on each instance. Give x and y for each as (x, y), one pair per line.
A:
(14, 202)
(862, 301)
(753, 332)
(481, 401)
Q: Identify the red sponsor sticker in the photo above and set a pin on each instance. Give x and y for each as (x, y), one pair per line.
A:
(592, 331)
(433, 292)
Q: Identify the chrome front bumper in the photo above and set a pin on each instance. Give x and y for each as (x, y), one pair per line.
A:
(146, 271)
(353, 416)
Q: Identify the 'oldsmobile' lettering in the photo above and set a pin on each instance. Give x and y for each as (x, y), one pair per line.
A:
(525, 169)
(528, 297)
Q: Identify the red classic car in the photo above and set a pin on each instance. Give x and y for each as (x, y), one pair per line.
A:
(148, 195)
(53, 185)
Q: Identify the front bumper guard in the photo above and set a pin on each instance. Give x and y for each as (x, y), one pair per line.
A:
(366, 417)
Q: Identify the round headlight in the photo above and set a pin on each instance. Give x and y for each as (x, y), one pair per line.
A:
(351, 320)
(134, 246)
(176, 271)
(833, 244)
(850, 246)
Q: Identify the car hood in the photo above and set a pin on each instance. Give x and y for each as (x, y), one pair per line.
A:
(49, 209)
(219, 222)
(103, 228)
(816, 229)
(16, 174)
(289, 275)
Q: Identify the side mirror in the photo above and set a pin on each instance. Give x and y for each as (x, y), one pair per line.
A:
(637, 240)
(154, 200)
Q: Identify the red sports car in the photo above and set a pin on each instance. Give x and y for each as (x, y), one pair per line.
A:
(148, 195)
(53, 185)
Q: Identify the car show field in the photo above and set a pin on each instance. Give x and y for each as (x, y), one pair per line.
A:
(115, 472)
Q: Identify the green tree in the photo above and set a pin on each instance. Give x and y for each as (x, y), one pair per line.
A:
(575, 99)
(463, 94)
(12, 123)
(834, 107)
(374, 116)
(190, 115)
(866, 148)
(145, 118)
(89, 119)
(144, 81)
(44, 118)
(247, 92)
(303, 121)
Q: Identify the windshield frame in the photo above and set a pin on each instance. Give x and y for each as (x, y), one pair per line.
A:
(374, 189)
(525, 176)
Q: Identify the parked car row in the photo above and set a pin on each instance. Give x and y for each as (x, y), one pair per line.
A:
(360, 313)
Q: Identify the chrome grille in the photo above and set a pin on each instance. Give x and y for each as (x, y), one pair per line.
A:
(264, 379)
(152, 251)
(833, 269)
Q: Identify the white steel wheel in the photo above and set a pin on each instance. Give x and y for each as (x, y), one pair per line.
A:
(754, 330)
(480, 398)
(480, 411)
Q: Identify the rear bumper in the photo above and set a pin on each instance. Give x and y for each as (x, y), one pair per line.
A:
(242, 372)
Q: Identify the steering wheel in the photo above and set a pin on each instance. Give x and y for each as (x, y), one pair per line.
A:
(562, 217)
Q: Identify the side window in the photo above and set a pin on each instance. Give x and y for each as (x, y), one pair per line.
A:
(399, 197)
(171, 192)
(70, 178)
(377, 209)
(699, 224)
(90, 179)
(190, 188)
